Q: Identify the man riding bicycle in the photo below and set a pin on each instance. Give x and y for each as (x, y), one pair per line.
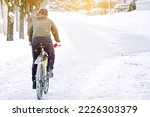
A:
(39, 32)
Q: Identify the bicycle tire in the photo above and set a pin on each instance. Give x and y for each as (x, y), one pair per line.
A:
(46, 85)
(39, 84)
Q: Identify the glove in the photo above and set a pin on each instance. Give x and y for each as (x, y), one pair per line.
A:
(57, 44)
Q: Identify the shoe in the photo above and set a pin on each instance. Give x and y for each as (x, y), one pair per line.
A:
(50, 74)
(34, 85)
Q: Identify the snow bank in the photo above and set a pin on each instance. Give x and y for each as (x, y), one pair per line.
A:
(135, 21)
(12, 50)
(130, 66)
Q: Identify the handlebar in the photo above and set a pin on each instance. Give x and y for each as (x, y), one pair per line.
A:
(55, 45)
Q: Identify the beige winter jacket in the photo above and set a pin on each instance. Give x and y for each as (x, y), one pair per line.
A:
(42, 26)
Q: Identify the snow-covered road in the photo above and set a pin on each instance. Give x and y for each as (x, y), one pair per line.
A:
(97, 60)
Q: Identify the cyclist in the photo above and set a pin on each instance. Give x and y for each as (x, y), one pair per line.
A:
(39, 31)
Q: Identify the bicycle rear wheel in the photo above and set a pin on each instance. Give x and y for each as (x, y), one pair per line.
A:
(46, 85)
(39, 84)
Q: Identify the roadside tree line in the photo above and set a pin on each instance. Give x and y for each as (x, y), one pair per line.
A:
(16, 12)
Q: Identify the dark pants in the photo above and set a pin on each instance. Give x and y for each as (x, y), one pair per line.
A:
(48, 45)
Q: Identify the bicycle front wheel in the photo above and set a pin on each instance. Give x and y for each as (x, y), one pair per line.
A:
(39, 87)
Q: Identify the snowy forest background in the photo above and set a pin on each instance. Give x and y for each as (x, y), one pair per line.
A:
(15, 12)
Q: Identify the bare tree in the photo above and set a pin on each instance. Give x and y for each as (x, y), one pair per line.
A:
(22, 10)
(10, 19)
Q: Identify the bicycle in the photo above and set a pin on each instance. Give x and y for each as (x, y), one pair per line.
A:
(42, 81)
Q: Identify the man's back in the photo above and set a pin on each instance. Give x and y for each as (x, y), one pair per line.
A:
(42, 27)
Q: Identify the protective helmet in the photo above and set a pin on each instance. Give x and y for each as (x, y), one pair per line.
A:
(43, 12)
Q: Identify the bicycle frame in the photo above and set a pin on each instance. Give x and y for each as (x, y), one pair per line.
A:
(42, 59)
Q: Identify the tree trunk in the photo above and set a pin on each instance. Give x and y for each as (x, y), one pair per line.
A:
(10, 27)
(17, 18)
(1, 8)
(5, 13)
(10, 19)
(21, 26)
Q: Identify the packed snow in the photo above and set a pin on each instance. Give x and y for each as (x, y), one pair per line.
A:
(101, 57)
